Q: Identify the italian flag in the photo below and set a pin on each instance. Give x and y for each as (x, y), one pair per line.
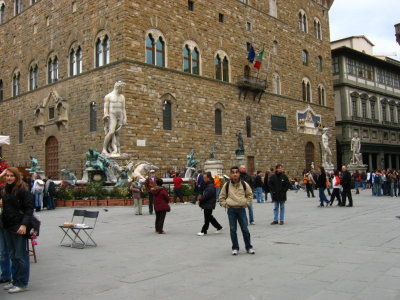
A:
(259, 59)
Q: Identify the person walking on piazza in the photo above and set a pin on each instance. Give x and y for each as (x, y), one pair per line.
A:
(49, 192)
(149, 184)
(207, 203)
(217, 185)
(16, 216)
(198, 186)
(37, 191)
(236, 195)
(279, 184)
(336, 188)
(177, 187)
(309, 182)
(346, 185)
(137, 189)
(258, 185)
(321, 185)
(246, 177)
(161, 206)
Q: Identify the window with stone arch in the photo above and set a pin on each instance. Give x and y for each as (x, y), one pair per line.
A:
(306, 90)
(1, 90)
(191, 58)
(273, 9)
(102, 50)
(304, 57)
(17, 7)
(303, 26)
(317, 29)
(248, 126)
(16, 83)
(219, 108)
(2, 12)
(275, 47)
(155, 48)
(221, 63)
(75, 60)
(52, 69)
(276, 83)
(92, 116)
(319, 63)
(321, 95)
(33, 77)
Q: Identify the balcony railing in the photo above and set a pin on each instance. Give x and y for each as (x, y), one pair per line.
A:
(251, 84)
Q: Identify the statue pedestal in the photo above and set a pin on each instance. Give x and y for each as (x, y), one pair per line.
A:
(189, 172)
(214, 166)
(328, 167)
(240, 159)
(360, 168)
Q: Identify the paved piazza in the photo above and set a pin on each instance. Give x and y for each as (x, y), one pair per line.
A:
(320, 253)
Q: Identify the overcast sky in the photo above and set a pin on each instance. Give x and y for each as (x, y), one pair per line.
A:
(373, 18)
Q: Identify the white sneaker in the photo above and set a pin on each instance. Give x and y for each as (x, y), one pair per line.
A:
(219, 230)
(234, 252)
(8, 286)
(16, 289)
(253, 223)
(251, 251)
(200, 233)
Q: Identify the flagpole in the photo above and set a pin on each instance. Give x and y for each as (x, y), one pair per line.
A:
(258, 71)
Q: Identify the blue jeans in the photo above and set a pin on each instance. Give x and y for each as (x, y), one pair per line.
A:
(322, 197)
(259, 194)
(377, 189)
(50, 203)
(18, 246)
(38, 200)
(279, 210)
(236, 215)
(217, 193)
(5, 262)
(251, 214)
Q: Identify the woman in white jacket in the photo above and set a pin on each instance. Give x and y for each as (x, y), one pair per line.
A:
(336, 188)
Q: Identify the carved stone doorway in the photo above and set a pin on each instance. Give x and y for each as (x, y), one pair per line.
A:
(309, 151)
(52, 168)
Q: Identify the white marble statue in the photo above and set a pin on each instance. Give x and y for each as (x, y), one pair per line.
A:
(114, 118)
(355, 148)
(326, 151)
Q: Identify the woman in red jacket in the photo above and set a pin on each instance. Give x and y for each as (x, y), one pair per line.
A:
(161, 206)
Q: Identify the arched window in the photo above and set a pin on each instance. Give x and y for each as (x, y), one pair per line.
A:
(186, 59)
(150, 50)
(195, 61)
(160, 51)
(248, 127)
(75, 61)
(317, 29)
(2, 13)
(1, 90)
(275, 47)
(93, 116)
(218, 66)
(218, 122)
(52, 70)
(304, 57)
(303, 21)
(33, 77)
(17, 7)
(321, 95)
(167, 115)
(306, 90)
(102, 51)
(319, 64)
(276, 83)
(222, 66)
(16, 84)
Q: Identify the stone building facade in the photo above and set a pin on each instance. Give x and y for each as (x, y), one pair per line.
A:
(367, 102)
(189, 84)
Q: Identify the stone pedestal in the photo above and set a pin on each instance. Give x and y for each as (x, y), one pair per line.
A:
(360, 168)
(328, 167)
(240, 159)
(214, 166)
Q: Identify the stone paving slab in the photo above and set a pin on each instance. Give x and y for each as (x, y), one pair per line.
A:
(320, 253)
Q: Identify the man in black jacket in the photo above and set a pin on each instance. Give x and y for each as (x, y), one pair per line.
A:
(346, 184)
(279, 184)
(207, 203)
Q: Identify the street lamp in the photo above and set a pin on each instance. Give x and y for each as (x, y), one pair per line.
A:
(397, 28)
